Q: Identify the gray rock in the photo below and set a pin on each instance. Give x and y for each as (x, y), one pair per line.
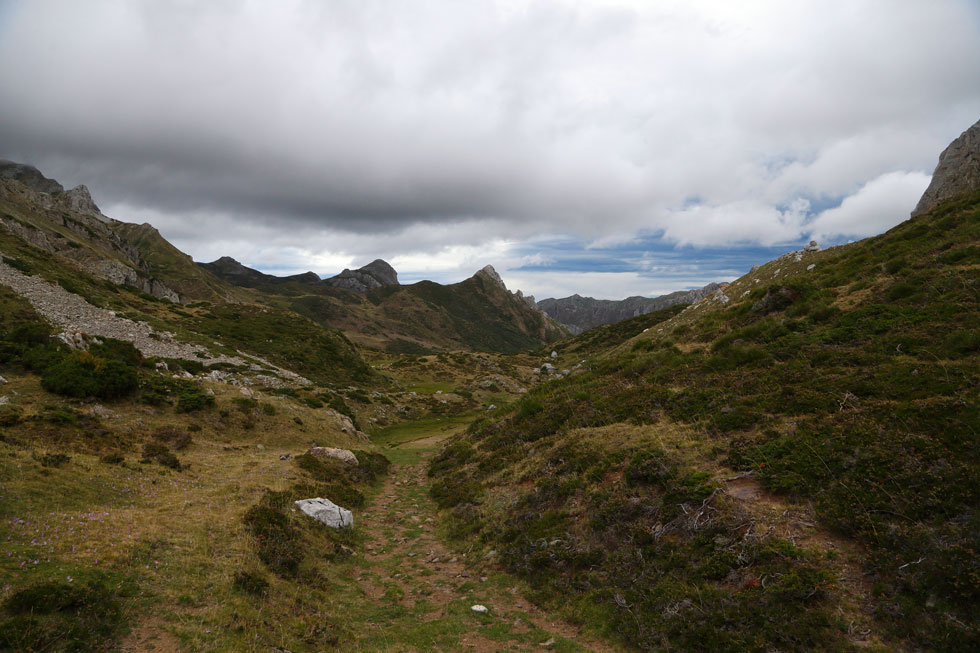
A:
(957, 174)
(3, 380)
(285, 456)
(4, 400)
(811, 247)
(324, 453)
(375, 274)
(326, 512)
(491, 275)
(480, 609)
(554, 354)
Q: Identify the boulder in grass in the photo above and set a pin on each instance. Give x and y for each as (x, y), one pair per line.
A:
(342, 455)
(326, 512)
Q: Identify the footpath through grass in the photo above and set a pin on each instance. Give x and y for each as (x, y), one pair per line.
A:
(414, 594)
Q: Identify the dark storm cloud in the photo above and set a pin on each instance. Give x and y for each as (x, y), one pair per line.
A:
(332, 128)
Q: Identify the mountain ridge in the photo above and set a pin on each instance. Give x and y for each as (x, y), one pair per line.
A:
(579, 313)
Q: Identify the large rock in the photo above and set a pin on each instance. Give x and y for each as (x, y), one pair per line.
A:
(343, 455)
(957, 174)
(326, 512)
(375, 274)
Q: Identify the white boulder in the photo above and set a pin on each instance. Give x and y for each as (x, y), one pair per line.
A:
(342, 455)
(326, 512)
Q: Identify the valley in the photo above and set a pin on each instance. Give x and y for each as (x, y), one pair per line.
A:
(788, 461)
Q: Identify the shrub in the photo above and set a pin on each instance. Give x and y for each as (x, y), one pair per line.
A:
(278, 541)
(80, 374)
(192, 398)
(112, 458)
(119, 350)
(173, 436)
(62, 616)
(267, 409)
(250, 583)
(10, 415)
(52, 459)
(159, 453)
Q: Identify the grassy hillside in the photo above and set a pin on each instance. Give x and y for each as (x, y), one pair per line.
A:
(173, 267)
(420, 318)
(650, 491)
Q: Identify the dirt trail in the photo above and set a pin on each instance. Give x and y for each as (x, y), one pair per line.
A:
(407, 564)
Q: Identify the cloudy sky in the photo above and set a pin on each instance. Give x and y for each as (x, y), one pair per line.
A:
(606, 148)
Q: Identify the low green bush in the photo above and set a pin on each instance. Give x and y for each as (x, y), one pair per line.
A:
(80, 375)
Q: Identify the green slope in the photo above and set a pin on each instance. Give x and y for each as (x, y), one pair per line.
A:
(849, 391)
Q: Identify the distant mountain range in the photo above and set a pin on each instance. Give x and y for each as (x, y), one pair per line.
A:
(578, 314)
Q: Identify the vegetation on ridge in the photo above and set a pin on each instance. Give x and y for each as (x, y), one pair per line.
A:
(851, 385)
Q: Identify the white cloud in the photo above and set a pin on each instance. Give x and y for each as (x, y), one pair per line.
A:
(877, 206)
(303, 135)
(742, 221)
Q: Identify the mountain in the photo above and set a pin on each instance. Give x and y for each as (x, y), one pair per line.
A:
(579, 313)
(374, 310)
(375, 274)
(237, 274)
(88, 274)
(789, 464)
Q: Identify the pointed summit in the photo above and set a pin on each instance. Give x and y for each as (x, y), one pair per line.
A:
(490, 274)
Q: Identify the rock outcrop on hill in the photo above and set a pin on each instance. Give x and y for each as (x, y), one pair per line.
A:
(957, 174)
(29, 176)
(579, 313)
(375, 274)
(68, 224)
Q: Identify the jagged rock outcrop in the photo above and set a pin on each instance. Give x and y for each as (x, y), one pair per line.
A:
(957, 174)
(70, 225)
(375, 274)
(491, 275)
(579, 313)
(79, 200)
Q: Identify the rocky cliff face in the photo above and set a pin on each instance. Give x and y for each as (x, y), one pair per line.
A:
(579, 313)
(70, 225)
(957, 174)
(375, 274)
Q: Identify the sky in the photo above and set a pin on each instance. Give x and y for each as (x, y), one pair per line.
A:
(608, 149)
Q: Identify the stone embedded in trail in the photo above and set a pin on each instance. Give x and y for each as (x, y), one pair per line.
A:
(342, 455)
(326, 512)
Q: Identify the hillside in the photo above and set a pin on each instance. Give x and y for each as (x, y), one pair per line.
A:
(579, 314)
(791, 465)
(374, 310)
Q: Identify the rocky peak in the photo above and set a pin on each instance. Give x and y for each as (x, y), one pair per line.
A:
(381, 271)
(490, 274)
(29, 176)
(957, 174)
(79, 200)
(375, 274)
